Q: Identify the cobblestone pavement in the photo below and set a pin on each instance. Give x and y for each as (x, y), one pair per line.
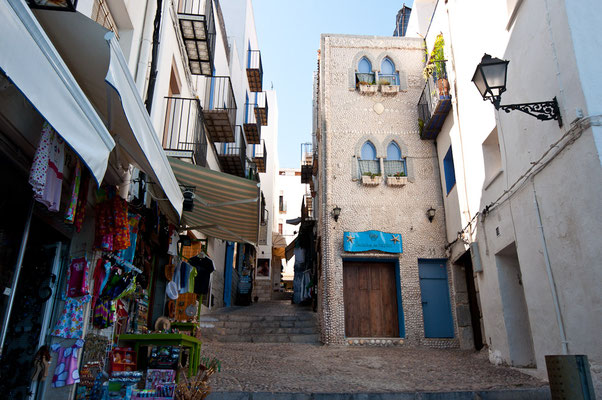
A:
(301, 368)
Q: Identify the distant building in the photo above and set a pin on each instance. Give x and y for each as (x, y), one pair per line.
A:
(401, 21)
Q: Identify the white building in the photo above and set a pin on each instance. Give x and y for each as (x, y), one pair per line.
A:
(521, 193)
(291, 194)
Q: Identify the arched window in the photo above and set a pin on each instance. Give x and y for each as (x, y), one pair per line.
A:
(388, 73)
(395, 164)
(369, 164)
(364, 66)
(364, 72)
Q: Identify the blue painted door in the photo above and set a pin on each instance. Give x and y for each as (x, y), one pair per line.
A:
(436, 307)
(228, 274)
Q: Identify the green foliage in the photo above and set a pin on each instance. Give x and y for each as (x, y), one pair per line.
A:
(398, 174)
(436, 60)
(384, 82)
(371, 174)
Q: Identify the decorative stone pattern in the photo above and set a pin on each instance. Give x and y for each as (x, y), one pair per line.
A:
(345, 119)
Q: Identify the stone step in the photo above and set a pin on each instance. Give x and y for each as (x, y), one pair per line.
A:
(258, 331)
(257, 318)
(268, 338)
(495, 394)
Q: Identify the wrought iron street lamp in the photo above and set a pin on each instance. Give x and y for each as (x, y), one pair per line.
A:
(336, 212)
(490, 80)
(59, 5)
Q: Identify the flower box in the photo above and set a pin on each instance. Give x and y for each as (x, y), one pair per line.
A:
(389, 89)
(368, 180)
(397, 180)
(368, 89)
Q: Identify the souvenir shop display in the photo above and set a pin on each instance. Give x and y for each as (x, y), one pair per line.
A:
(123, 359)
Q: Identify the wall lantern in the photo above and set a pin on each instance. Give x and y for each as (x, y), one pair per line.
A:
(188, 204)
(490, 80)
(57, 5)
(430, 214)
(336, 212)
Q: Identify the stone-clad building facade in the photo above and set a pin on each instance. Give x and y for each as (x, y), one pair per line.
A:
(358, 130)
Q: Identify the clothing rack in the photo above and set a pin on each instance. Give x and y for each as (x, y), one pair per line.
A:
(122, 262)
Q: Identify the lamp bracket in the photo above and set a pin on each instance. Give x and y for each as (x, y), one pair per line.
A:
(543, 111)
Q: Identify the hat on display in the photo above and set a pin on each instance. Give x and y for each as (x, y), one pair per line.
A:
(172, 290)
(169, 270)
(162, 324)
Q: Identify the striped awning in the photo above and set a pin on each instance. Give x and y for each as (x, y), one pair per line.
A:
(225, 206)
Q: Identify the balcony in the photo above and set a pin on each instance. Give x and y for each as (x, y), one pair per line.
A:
(252, 173)
(261, 108)
(197, 27)
(232, 156)
(219, 109)
(252, 127)
(254, 70)
(184, 131)
(260, 156)
(434, 105)
(307, 159)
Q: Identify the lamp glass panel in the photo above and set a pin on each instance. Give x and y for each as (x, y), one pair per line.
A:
(495, 74)
(480, 82)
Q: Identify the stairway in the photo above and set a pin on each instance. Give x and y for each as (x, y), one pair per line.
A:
(268, 322)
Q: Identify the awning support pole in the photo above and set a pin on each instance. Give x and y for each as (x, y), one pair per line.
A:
(13, 289)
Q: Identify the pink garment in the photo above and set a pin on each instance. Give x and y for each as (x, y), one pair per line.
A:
(54, 173)
(66, 372)
(78, 278)
(37, 174)
(46, 174)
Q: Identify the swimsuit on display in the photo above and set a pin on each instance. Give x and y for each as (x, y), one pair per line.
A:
(66, 372)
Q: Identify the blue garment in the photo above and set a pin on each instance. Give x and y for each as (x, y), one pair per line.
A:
(184, 276)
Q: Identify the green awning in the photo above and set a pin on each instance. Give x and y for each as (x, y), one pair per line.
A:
(225, 206)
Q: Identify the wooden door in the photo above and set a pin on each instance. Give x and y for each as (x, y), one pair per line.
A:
(370, 298)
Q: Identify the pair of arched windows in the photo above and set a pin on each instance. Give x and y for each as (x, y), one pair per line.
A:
(387, 72)
(394, 164)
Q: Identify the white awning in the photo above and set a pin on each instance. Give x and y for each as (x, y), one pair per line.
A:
(32, 63)
(95, 59)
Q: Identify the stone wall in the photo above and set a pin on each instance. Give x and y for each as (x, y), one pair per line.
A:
(262, 289)
(347, 118)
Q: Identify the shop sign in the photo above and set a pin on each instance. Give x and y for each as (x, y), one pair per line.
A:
(372, 240)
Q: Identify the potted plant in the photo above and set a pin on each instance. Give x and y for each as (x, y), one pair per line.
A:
(371, 179)
(367, 87)
(436, 67)
(397, 179)
(387, 88)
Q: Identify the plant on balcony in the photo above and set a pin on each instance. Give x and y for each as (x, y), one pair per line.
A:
(436, 67)
(397, 179)
(371, 178)
(387, 88)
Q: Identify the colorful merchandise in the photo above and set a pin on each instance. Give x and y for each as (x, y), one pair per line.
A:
(103, 313)
(82, 200)
(101, 275)
(128, 254)
(66, 372)
(37, 174)
(71, 322)
(112, 223)
(78, 278)
(72, 208)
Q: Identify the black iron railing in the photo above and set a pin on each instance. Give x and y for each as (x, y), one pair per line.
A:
(219, 96)
(237, 149)
(431, 95)
(197, 24)
(184, 131)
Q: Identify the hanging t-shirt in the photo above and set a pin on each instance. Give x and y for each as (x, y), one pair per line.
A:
(204, 268)
(191, 279)
(184, 276)
(78, 278)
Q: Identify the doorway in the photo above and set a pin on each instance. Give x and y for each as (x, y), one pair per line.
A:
(436, 306)
(371, 299)
(514, 305)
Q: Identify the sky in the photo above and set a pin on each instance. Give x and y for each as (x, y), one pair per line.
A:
(289, 32)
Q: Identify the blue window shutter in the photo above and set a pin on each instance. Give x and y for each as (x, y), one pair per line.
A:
(368, 151)
(387, 67)
(364, 66)
(393, 152)
(450, 173)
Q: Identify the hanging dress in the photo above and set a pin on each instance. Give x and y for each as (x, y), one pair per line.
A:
(66, 372)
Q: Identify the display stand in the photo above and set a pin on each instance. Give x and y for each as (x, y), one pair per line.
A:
(168, 339)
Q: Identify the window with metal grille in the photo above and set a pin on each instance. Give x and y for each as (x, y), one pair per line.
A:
(395, 164)
(102, 15)
(368, 162)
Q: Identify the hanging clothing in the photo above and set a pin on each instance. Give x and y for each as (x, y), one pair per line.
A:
(82, 200)
(71, 323)
(77, 278)
(46, 174)
(184, 276)
(191, 279)
(66, 372)
(173, 243)
(72, 208)
(101, 275)
(204, 268)
(103, 313)
(128, 254)
(39, 167)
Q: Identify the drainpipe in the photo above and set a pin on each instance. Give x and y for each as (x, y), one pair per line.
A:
(13, 288)
(154, 58)
(144, 49)
(546, 255)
